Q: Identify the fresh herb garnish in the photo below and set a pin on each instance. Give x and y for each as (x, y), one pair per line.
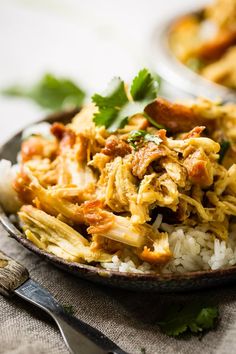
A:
(144, 86)
(51, 92)
(193, 318)
(69, 309)
(224, 147)
(115, 108)
(110, 105)
(138, 136)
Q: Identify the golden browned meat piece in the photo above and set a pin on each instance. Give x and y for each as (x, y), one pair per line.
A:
(65, 135)
(37, 147)
(199, 167)
(159, 252)
(116, 147)
(175, 116)
(145, 156)
(22, 186)
(194, 133)
(100, 220)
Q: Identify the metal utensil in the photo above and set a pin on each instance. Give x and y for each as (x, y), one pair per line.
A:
(79, 337)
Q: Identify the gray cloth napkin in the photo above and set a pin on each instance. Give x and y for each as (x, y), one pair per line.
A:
(128, 318)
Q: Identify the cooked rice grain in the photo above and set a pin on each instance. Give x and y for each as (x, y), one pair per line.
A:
(193, 249)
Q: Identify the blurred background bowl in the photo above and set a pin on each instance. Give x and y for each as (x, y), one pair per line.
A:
(178, 80)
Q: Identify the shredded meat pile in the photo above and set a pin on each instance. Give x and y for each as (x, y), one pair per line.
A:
(88, 194)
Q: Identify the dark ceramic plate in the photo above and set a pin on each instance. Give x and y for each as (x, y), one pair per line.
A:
(138, 282)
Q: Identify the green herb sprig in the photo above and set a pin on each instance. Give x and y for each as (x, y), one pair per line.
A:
(50, 92)
(192, 317)
(115, 107)
(138, 136)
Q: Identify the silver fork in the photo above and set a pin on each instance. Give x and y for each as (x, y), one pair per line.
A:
(79, 337)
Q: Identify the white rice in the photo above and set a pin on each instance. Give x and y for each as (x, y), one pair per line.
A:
(8, 197)
(193, 249)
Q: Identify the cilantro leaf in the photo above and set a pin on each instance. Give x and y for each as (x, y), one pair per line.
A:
(115, 96)
(115, 107)
(105, 117)
(191, 317)
(224, 147)
(144, 86)
(135, 136)
(110, 105)
(51, 92)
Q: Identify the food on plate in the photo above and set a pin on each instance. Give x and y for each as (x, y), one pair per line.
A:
(133, 183)
(206, 42)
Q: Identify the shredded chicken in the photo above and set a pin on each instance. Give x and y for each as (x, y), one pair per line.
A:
(145, 156)
(89, 195)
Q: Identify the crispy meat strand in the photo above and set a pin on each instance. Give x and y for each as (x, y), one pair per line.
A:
(116, 147)
(102, 243)
(21, 185)
(145, 156)
(176, 117)
(65, 135)
(159, 252)
(199, 167)
(100, 220)
(194, 133)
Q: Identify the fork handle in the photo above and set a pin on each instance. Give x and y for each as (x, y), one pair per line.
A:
(79, 337)
(12, 274)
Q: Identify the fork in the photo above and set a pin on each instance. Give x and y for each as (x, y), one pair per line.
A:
(79, 337)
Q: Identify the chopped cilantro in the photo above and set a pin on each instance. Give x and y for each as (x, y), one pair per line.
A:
(51, 92)
(144, 86)
(69, 309)
(190, 317)
(224, 147)
(115, 108)
(137, 136)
